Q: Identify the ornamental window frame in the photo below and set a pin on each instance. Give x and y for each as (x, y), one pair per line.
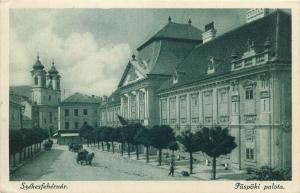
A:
(250, 154)
(249, 93)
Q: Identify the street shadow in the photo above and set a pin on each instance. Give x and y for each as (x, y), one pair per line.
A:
(37, 167)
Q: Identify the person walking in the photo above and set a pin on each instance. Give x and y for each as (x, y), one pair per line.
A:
(172, 169)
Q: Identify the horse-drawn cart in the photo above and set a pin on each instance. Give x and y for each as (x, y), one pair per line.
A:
(48, 145)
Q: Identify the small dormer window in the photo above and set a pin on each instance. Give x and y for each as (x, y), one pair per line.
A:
(211, 65)
(175, 77)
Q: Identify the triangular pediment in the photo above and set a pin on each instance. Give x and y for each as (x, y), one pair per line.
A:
(131, 75)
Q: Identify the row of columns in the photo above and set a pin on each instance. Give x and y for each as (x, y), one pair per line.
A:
(137, 94)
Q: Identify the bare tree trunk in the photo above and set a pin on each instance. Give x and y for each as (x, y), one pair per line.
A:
(20, 158)
(147, 154)
(113, 147)
(159, 157)
(122, 148)
(98, 144)
(102, 145)
(137, 152)
(128, 149)
(24, 152)
(191, 162)
(214, 168)
(14, 159)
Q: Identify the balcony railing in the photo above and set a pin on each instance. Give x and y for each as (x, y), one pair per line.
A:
(257, 59)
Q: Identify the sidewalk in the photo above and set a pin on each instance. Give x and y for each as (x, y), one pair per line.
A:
(200, 171)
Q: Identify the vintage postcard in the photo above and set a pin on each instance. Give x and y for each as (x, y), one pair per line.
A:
(149, 96)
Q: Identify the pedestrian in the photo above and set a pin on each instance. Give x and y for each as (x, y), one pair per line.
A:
(172, 168)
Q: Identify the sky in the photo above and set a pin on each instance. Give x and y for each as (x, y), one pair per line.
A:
(91, 47)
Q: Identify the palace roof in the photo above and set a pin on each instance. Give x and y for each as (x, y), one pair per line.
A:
(275, 27)
(177, 31)
(163, 52)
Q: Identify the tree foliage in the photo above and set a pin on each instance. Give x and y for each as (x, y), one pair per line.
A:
(216, 142)
(162, 136)
(191, 143)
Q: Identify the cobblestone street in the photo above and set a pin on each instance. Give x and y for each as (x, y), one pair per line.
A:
(59, 164)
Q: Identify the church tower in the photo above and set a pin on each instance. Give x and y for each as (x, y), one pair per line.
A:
(39, 82)
(54, 84)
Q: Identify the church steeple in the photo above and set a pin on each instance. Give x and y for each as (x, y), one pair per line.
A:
(38, 65)
(54, 77)
(38, 74)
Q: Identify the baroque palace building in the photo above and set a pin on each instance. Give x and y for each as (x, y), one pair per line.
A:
(190, 79)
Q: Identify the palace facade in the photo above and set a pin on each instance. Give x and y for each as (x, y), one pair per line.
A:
(189, 79)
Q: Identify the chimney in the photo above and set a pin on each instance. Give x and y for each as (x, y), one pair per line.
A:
(255, 14)
(209, 33)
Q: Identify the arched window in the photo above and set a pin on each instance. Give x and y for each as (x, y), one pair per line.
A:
(36, 80)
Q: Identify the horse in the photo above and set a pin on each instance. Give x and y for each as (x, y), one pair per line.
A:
(81, 156)
(89, 157)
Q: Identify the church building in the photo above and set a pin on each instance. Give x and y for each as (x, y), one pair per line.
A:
(41, 98)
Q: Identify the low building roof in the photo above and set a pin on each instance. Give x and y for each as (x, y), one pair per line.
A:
(81, 98)
(24, 90)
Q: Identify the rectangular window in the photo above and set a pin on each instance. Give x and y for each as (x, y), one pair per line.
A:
(67, 125)
(207, 98)
(250, 153)
(50, 117)
(235, 107)
(75, 112)
(195, 105)
(172, 109)
(249, 94)
(85, 111)
(183, 109)
(223, 97)
(164, 111)
(125, 107)
(76, 125)
(66, 112)
(142, 105)
(133, 107)
(49, 97)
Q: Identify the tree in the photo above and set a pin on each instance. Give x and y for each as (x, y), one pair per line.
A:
(28, 141)
(191, 144)
(162, 136)
(107, 136)
(15, 143)
(122, 137)
(173, 146)
(143, 136)
(216, 142)
(86, 132)
(99, 136)
(132, 130)
(115, 135)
